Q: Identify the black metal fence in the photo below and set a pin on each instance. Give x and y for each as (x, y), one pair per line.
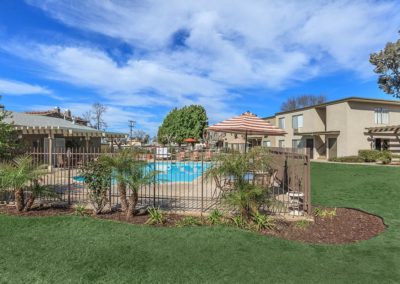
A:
(181, 183)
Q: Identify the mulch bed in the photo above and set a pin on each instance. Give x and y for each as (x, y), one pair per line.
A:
(349, 225)
(37, 211)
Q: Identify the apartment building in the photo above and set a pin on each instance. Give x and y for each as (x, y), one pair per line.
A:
(340, 128)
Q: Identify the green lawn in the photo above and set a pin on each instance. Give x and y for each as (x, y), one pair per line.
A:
(74, 249)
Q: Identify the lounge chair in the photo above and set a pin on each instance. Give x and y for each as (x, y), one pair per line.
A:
(195, 156)
(208, 156)
(162, 153)
(181, 156)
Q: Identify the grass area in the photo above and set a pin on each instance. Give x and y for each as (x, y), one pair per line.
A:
(81, 249)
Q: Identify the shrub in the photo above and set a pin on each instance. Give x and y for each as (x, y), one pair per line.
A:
(369, 155)
(262, 221)
(385, 157)
(244, 195)
(156, 216)
(97, 177)
(347, 159)
(323, 213)
(80, 209)
(215, 217)
(239, 221)
(188, 221)
(302, 224)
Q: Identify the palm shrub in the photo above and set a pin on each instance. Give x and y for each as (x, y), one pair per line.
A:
(121, 164)
(22, 175)
(138, 176)
(97, 177)
(245, 195)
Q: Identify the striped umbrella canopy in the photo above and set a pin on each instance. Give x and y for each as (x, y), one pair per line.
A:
(247, 123)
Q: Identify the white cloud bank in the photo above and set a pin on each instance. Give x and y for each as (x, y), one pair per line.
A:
(198, 51)
(10, 87)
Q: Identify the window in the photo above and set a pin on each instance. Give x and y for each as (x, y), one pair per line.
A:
(381, 116)
(267, 143)
(281, 143)
(296, 143)
(297, 121)
(282, 123)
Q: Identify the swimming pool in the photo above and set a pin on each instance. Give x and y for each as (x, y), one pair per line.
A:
(172, 171)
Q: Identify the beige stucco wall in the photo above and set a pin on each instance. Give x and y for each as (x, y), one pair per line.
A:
(349, 118)
(312, 121)
(360, 116)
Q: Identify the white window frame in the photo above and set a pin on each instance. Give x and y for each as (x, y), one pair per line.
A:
(297, 143)
(266, 143)
(381, 115)
(281, 123)
(297, 121)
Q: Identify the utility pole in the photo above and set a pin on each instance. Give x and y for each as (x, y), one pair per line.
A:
(131, 126)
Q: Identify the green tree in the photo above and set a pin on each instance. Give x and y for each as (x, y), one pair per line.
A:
(9, 144)
(387, 66)
(179, 124)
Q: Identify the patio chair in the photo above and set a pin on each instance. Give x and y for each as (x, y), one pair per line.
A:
(195, 156)
(222, 186)
(60, 161)
(208, 156)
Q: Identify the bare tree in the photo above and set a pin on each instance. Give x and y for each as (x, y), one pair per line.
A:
(302, 101)
(98, 111)
(141, 136)
(88, 117)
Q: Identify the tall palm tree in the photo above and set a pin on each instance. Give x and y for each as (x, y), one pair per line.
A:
(20, 175)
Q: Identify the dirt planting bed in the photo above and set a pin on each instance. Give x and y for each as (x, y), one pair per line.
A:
(344, 226)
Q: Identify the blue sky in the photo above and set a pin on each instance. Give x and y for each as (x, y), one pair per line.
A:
(142, 58)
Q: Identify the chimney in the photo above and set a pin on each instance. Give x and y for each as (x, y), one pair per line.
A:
(67, 114)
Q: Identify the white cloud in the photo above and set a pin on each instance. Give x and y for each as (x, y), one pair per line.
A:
(223, 45)
(15, 88)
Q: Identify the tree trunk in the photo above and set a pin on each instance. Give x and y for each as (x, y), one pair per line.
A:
(30, 201)
(19, 199)
(133, 200)
(121, 187)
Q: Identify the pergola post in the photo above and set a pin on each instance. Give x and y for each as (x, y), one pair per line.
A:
(50, 151)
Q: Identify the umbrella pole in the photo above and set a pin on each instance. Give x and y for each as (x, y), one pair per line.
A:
(245, 142)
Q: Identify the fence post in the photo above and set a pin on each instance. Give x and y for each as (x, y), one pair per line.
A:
(69, 175)
(202, 183)
(308, 188)
(154, 177)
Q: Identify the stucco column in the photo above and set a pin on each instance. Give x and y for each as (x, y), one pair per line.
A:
(87, 140)
(50, 162)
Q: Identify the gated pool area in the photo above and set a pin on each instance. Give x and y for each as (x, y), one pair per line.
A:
(181, 184)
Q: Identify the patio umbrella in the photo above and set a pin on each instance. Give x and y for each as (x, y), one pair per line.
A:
(190, 140)
(247, 124)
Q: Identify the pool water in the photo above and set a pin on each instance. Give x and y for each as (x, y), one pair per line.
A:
(172, 171)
